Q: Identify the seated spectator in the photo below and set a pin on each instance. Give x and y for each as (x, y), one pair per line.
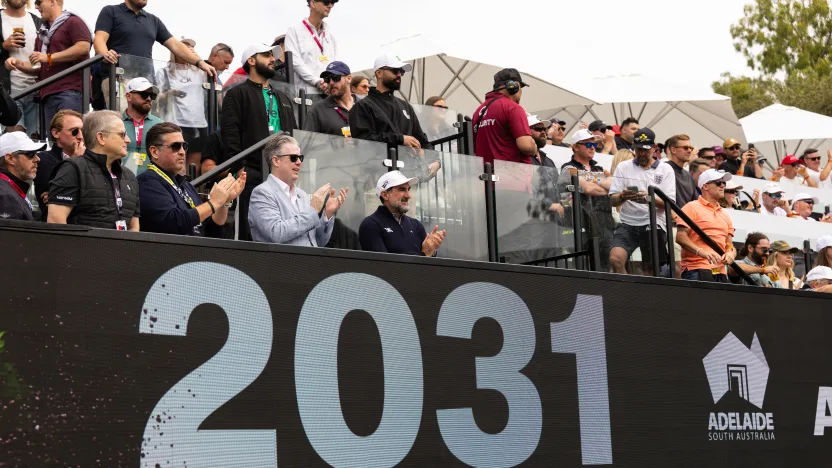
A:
(747, 165)
(169, 203)
(719, 156)
(811, 158)
(628, 129)
(360, 86)
(782, 256)
(389, 229)
(601, 129)
(280, 211)
(707, 153)
(18, 168)
(792, 170)
(67, 142)
(331, 115)
(182, 100)
(773, 202)
(819, 279)
(755, 255)
(629, 190)
(803, 205)
(94, 189)
(557, 133)
(138, 121)
(823, 247)
(699, 261)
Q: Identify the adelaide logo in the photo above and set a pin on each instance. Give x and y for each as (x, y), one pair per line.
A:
(732, 368)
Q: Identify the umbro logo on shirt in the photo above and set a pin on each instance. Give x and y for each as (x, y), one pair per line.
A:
(388, 230)
(405, 114)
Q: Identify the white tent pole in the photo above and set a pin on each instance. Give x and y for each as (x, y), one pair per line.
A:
(424, 72)
(666, 110)
(463, 81)
(577, 120)
(642, 111)
(454, 78)
(777, 151)
(415, 82)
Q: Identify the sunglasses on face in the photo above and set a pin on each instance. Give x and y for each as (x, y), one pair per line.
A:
(709, 158)
(590, 144)
(328, 2)
(177, 146)
(767, 251)
(395, 71)
(73, 131)
(332, 79)
(775, 196)
(719, 183)
(292, 157)
(812, 159)
(28, 154)
(730, 192)
(686, 148)
(735, 148)
(808, 202)
(441, 107)
(539, 128)
(146, 95)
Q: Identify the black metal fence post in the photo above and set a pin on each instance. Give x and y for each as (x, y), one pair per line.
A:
(577, 214)
(468, 137)
(113, 87)
(290, 70)
(302, 108)
(86, 83)
(807, 256)
(654, 231)
(212, 104)
(490, 213)
(671, 242)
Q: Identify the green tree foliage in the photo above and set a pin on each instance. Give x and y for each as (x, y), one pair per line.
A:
(747, 94)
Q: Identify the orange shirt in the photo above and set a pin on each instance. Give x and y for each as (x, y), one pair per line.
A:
(714, 222)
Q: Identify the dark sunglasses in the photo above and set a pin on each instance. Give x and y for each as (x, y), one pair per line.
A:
(74, 132)
(327, 2)
(178, 146)
(292, 157)
(395, 71)
(812, 159)
(735, 147)
(808, 202)
(332, 78)
(146, 95)
(590, 144)
(719, 183)
(793, 164)
(28, 154)
(730, 192)
(768, 251)
(776, 196)
(539, 128)
(686, 148)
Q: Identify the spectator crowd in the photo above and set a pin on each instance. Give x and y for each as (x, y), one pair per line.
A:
(127, 170)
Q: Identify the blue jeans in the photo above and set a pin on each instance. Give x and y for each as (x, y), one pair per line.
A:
(30, 114)
(59, 101)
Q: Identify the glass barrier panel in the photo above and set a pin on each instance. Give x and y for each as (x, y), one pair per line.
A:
(450, 195)
(436, 122)
(293, 92)
(343, 163)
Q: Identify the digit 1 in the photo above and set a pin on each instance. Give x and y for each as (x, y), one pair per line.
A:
(582, 334)
(316, 372)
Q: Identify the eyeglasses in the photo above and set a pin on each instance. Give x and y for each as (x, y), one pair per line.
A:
(177, 146)
(730, 192)
(686, 148)
(332, 78)
(145, 95)
(812, 159)
(123, 135)
(735, 147)
(539, 128)
(793, 164)
(395, 71)
(292, 157)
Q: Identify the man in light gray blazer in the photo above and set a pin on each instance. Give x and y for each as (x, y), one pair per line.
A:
(280, 212)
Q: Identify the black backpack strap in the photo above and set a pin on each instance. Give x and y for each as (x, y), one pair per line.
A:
(482, 113)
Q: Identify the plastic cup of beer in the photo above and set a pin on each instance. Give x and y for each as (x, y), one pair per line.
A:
(346, 132)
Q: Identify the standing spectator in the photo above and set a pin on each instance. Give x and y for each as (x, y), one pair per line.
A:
(94, 189)
(557, 132)
(793, 170)
(18, 168)
(773, 201)
(629, 190)
(383, 117)
(782, 256)
(681, 153)
(221, 57)
(811, 158)
(746, 165)
(169, 203)
(607, 134)
(183, 98)
(823, 247)
(699, 261)
(548, 176)
(819, 279)
(281, 212)
(389, 229)
(755, 254)
(804, 205)
(628, 128)
(332, 114)
(251, 111)
(19, 29)
(126, 29)
(719, 156)
(696, 168)
(708, 154)
(138, 121)
(281, 74)
(360, 86)
(67, 142)
(312, 45)
(501, 130)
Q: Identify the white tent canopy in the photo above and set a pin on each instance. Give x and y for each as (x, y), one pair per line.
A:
(786, 130)
(667, 108)
(463, 72)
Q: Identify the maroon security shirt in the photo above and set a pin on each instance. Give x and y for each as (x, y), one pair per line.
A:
(497, 131)
(72, 31)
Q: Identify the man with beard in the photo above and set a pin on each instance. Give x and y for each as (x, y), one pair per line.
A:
(332, 114)
(389, 230)
(138, 121)
(629, 191)
(747, 165)
(755, 253)
(811, 158)
(548, 176)
(18, 167)
(383, 117)
(251, 111)
(501, 130)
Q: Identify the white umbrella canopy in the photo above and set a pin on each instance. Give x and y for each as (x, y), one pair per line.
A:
(665, 107)
(463, 72)
(780, 130)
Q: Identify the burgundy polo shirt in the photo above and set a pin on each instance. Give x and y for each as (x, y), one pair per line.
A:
(498, 129)
(68, 34)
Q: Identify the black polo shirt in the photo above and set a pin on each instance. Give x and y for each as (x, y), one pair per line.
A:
(327, 117)
(381, 232)
(685, 186)
(131, 33)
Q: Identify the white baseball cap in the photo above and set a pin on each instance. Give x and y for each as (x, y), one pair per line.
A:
(804, 196)
(584, 134)
(823, 242)
(731, 185)
(712, 175)
(255, 49)
(13, 142)
(141, 84)
(773, 187)
(534, 120)
(391, 61)
(393, 179)
(819, 273)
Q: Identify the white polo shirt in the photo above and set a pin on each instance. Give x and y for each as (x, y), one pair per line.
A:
(777, 211)
(311, 52)
(815, 175)
(629, 174)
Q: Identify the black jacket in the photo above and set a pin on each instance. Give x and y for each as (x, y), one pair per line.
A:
(387, 119)
(85, 184)
(245, 123)
(327, 117)
(6, 75)
(9, 113)
(49, 160)
(12, 205)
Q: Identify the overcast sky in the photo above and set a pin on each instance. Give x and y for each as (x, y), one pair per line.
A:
(683, 41)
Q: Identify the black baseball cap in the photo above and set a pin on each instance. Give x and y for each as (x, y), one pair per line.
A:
(557, 121)
(599, 126)
(644, 139)
(505, 75)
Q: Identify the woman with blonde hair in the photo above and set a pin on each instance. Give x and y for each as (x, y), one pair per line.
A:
(782, 257)
(620, 157)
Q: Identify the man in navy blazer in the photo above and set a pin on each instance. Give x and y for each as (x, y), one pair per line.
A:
(282, 213)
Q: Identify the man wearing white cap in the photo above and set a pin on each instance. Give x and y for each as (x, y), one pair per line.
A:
(383, 117)
(18, 168)
(699, 261)
(313, 45)
(138, 121)
(803, 206)
(389, 229)
(251, 111)
(773, 202)
(819, 279)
